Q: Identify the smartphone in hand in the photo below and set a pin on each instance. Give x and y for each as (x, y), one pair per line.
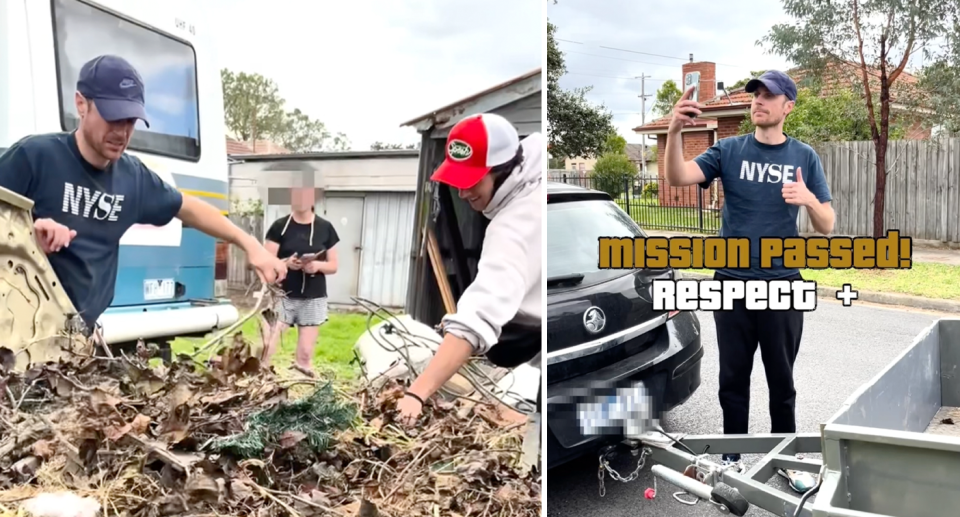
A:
(692, 79)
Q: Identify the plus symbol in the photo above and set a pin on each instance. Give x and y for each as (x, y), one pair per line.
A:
(847, 295)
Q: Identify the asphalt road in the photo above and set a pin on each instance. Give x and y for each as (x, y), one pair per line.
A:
(842, 348)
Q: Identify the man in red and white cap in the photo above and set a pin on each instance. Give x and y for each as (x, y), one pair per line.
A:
(500, 176)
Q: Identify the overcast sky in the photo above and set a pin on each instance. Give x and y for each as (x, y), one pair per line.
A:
(363, 67)
(722, 32)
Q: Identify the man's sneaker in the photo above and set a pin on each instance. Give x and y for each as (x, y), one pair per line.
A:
(732, 462)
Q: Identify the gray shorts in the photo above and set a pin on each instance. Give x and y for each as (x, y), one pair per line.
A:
(309, 312)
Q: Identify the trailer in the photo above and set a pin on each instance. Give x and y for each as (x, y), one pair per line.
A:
(892, 450)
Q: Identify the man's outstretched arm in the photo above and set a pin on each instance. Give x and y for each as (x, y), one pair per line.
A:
(207, 218)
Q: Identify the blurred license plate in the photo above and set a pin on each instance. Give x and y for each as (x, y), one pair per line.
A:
(160, 289)
(628, 411)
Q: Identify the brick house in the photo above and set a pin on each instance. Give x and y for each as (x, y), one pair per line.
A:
(722, 116)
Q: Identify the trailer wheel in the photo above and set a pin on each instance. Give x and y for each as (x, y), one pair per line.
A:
(731, 498)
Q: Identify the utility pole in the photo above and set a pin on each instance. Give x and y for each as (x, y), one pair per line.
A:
(643, 121)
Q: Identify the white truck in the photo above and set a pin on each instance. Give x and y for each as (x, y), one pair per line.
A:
(168, 276)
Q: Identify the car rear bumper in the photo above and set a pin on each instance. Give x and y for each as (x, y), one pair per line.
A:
(669, 367)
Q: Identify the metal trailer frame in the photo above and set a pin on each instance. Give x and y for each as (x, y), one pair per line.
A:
(877, 459)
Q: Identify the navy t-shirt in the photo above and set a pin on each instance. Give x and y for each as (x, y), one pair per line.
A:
(752, 174)
(99, 204)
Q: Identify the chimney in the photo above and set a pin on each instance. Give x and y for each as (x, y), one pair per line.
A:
(708, 77)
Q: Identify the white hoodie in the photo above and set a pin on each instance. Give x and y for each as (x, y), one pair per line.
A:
(509, 278)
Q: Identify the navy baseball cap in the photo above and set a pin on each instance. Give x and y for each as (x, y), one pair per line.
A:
(777, 82)
(115, 86)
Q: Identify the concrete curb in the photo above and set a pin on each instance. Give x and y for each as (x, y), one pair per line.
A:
(905, 300)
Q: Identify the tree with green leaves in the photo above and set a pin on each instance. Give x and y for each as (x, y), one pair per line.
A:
(875, 40)
(667, 97)
(743, 82)
(613, 170)
(254, 110)
(575, 127)
(615, 144)
(839, 117)
(382, 146)
(252, 106)
(941, 81)
(612, 173)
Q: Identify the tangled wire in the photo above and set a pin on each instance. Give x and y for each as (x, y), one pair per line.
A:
(473, 371)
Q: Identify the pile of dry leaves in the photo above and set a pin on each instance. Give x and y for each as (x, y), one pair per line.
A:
(230, 439)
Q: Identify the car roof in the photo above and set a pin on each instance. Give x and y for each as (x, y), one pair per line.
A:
(558, 191)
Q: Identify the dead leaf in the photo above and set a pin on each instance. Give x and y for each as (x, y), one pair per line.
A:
(115, 433)
(103, 403)
(290, 439)
(201, 487)
(8, 360)
(140, 424)
(44, 448)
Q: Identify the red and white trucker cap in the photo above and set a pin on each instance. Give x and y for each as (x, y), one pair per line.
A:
(475, 145)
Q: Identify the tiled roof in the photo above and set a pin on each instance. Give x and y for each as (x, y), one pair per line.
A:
(237, 148)
(664, 122)
(838, 75)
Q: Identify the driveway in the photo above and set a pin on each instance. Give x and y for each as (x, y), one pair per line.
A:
(842, 348)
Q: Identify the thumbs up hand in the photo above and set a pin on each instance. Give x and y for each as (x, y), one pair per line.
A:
(797, 193)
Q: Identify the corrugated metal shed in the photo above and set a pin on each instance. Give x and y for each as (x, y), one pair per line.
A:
(385, 261)
(519, 101)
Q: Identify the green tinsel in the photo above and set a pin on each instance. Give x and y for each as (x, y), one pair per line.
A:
(316, 416)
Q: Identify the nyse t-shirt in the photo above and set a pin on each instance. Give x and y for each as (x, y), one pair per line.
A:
(294, 237)
(99, 204)
(752, 174)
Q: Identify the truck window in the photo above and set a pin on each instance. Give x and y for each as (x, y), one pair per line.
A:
(168, 67)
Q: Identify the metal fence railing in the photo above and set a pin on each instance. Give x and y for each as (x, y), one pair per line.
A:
(653, 204)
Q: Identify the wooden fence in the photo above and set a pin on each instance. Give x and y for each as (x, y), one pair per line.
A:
(922, 198)
(239, 275)
(922, 192)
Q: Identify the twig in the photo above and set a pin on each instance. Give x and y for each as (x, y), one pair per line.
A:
(404, 472)
(302, 500)
(266, 493)
(232, 328)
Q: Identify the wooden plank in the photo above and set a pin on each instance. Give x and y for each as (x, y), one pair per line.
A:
(943, 168)
(953, 173)
(921, 211)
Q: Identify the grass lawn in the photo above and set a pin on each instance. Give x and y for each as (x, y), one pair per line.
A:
(333, 352)
(923, 279)
(648, 213)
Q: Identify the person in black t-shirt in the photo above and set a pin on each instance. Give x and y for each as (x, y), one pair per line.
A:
(307, 243)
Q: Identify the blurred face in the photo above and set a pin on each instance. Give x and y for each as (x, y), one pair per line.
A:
(108, 139)
(479, 195)
(302, 199)
(768, 110)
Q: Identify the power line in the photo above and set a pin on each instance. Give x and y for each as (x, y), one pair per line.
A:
(616, 58)
(616, 77)
(648, 54)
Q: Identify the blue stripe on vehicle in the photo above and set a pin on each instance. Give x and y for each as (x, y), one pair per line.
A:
(191, 264)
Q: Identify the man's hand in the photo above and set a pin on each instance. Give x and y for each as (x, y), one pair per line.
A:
(410, 409)
(268, 266)
(52, 235)
(683, 110)
(797, 193)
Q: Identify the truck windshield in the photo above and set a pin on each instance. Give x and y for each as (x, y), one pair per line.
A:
(168, 67)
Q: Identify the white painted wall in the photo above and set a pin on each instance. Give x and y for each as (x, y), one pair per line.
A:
(396, 174)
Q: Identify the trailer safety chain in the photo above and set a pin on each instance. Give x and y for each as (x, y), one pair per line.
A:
(605, 455)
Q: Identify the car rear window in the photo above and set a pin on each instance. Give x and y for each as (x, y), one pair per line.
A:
(573, 231)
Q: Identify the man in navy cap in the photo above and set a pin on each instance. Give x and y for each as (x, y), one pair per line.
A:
(766, 176)
(87, 191)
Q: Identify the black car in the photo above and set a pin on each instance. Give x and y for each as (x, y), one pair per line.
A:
(601, 325)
